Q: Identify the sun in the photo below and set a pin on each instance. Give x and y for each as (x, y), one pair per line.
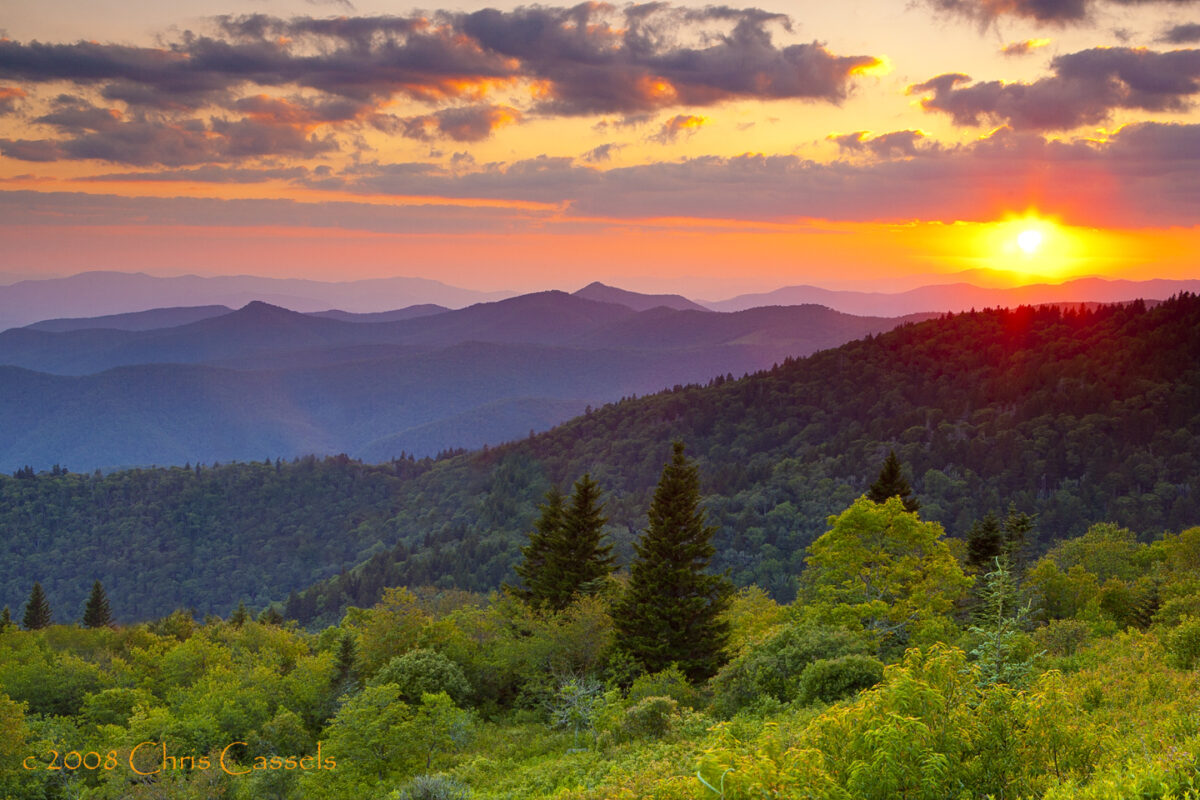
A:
(1029, 240)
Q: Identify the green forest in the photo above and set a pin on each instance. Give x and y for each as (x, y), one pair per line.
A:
(909, 665)
(1072, 416)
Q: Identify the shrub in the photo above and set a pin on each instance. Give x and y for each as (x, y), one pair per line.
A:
(1062, 637)
(419, 672)
(831, 679)
(650, 718)
(1183, 643)
(434, 787)
(670, 682)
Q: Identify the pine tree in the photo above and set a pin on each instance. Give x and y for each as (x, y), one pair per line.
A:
(1017, 529)
(5, 619)
(578, 562)
(37, 610)
(891, 483)
(533, 570)
(97, 614)
(671, 612)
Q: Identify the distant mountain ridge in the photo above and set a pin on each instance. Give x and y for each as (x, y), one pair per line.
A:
(636, 300)
(958, 297)
(90, 294)
(267, 380)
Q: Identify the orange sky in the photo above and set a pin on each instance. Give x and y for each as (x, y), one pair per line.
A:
(743, 150)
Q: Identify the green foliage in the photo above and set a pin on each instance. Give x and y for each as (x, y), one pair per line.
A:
(882, 570)
(534, 569)
(1002, 653)
(670, 682)
(650, 718)
(422, 671)
(672, 610)
(97, 614)
(892, 483)
(1183, 643)
(37, 609)
(773, 669)
(830, 679)
(434, 787)
(577, 705)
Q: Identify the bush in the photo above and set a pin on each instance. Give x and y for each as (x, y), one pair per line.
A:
(1062, 637)
(1183, 643)
(419, 672)
(831, 679)
(772, 670)
(670, 682)
(650, 718)
(434, 787)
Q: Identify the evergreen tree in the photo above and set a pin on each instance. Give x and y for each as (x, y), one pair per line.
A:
(985, 541)
(1017, 529)
(37, 610)
(534, 570)
(892, 483)
(565, 557)
(5, 619)
(97, 614)
(240, 616)
(579, 563)
(671, 612)
(1001, 620)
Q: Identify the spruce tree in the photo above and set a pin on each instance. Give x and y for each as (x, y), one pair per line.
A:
(671, 611)
(37, 610)
(97, 614)
(985, 541)
(891, 483)
(534, 569)
(578, 562)
(5, 619)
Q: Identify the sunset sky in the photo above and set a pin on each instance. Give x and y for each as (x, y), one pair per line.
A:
(682, 147)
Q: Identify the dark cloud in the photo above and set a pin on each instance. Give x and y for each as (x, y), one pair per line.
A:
(1146, 174)
(1056, 12)
(1085, 89)
(466, 124)
(1187, 33)
(31, 149)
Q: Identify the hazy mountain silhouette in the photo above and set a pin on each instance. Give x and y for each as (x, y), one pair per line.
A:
(958, 297)
(635, 300)
(266, 380)
(100, 293)
(134, 320)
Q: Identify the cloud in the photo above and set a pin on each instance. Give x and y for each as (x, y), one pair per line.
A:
(680, 123)
(10, 99)
(209, 174)
(1023, 48)
(1085, 89)
(1186, 33)
(897, 144)
(602, 153)
(1055, 12)
(467, 124)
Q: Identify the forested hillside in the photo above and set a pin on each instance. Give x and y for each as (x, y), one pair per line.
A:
(1073, 417)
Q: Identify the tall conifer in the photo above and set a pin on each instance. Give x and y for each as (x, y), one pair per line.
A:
(579, 562)
(37, 610)
(5, 619)
(97, 614)
(892, 483)
(534, 569)
(671, 612)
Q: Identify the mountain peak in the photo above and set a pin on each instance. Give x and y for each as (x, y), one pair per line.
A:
(603, 293)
